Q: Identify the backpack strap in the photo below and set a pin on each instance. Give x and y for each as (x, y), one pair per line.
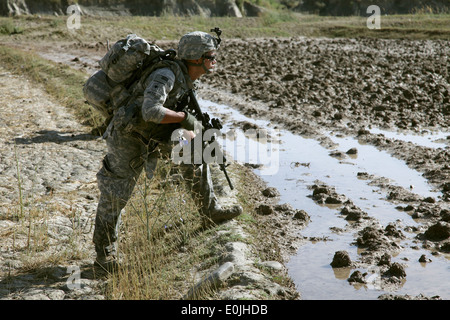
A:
(176, 66)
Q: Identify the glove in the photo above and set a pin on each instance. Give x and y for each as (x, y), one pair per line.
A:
(188, 122)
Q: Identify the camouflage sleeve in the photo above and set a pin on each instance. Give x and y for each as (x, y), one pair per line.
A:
(159, 84)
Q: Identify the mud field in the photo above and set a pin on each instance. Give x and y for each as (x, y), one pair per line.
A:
(336, 91)
(330, 92)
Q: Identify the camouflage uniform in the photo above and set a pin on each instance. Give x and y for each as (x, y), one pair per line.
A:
(131, 145)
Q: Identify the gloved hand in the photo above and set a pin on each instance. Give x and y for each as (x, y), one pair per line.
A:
(188, 122)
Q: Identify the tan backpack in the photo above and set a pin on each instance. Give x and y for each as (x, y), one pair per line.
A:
(124, 63)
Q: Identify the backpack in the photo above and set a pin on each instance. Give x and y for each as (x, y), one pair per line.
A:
(124, 63)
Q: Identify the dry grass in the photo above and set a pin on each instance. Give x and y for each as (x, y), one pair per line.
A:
(166, 246)
(161, 241)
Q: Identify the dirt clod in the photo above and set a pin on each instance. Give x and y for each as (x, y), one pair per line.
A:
(396, 270)
(341, 259)
(439, 231)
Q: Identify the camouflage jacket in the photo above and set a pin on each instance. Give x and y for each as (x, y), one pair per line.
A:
(161, 86)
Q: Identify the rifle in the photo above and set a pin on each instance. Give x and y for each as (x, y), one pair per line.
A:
(208, 123)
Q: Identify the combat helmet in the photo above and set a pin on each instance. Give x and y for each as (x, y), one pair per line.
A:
(193, 45)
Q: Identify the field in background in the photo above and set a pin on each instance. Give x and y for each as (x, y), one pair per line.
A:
(271, 24)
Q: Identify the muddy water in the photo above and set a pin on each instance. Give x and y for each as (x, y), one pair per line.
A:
(292, 164)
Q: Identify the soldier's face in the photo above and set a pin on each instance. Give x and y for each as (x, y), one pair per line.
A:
(210, 61)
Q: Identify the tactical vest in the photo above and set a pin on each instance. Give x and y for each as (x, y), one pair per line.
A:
(129, 117)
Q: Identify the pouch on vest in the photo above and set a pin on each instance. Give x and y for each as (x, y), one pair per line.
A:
(119, 96)
(97, 91)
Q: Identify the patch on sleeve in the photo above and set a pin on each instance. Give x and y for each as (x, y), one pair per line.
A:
(160, 85)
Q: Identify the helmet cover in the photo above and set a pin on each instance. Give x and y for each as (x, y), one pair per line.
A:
(193, 45)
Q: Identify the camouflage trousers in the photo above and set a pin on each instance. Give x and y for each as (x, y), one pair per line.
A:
(126, 157)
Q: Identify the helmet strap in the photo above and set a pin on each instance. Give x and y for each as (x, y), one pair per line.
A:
(193, 64)
(189, 63)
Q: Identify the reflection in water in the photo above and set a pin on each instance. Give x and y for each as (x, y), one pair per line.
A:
(341, 273)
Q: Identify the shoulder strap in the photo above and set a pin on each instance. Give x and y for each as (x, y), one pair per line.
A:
(177, 67)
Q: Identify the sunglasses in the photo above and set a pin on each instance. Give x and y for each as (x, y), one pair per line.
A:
(210, 58)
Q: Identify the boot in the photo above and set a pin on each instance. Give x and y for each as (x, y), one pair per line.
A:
(107, 263)
(218, 214)
(107, 259)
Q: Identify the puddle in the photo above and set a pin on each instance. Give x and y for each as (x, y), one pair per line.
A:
(292, 163)
(425, 139)
(370, 159)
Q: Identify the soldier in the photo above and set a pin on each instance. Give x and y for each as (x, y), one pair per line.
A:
(139, 143)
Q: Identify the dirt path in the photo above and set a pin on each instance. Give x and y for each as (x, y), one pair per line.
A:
(48, 193)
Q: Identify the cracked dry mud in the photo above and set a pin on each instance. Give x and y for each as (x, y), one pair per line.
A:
(309, 87)
(48, 193)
